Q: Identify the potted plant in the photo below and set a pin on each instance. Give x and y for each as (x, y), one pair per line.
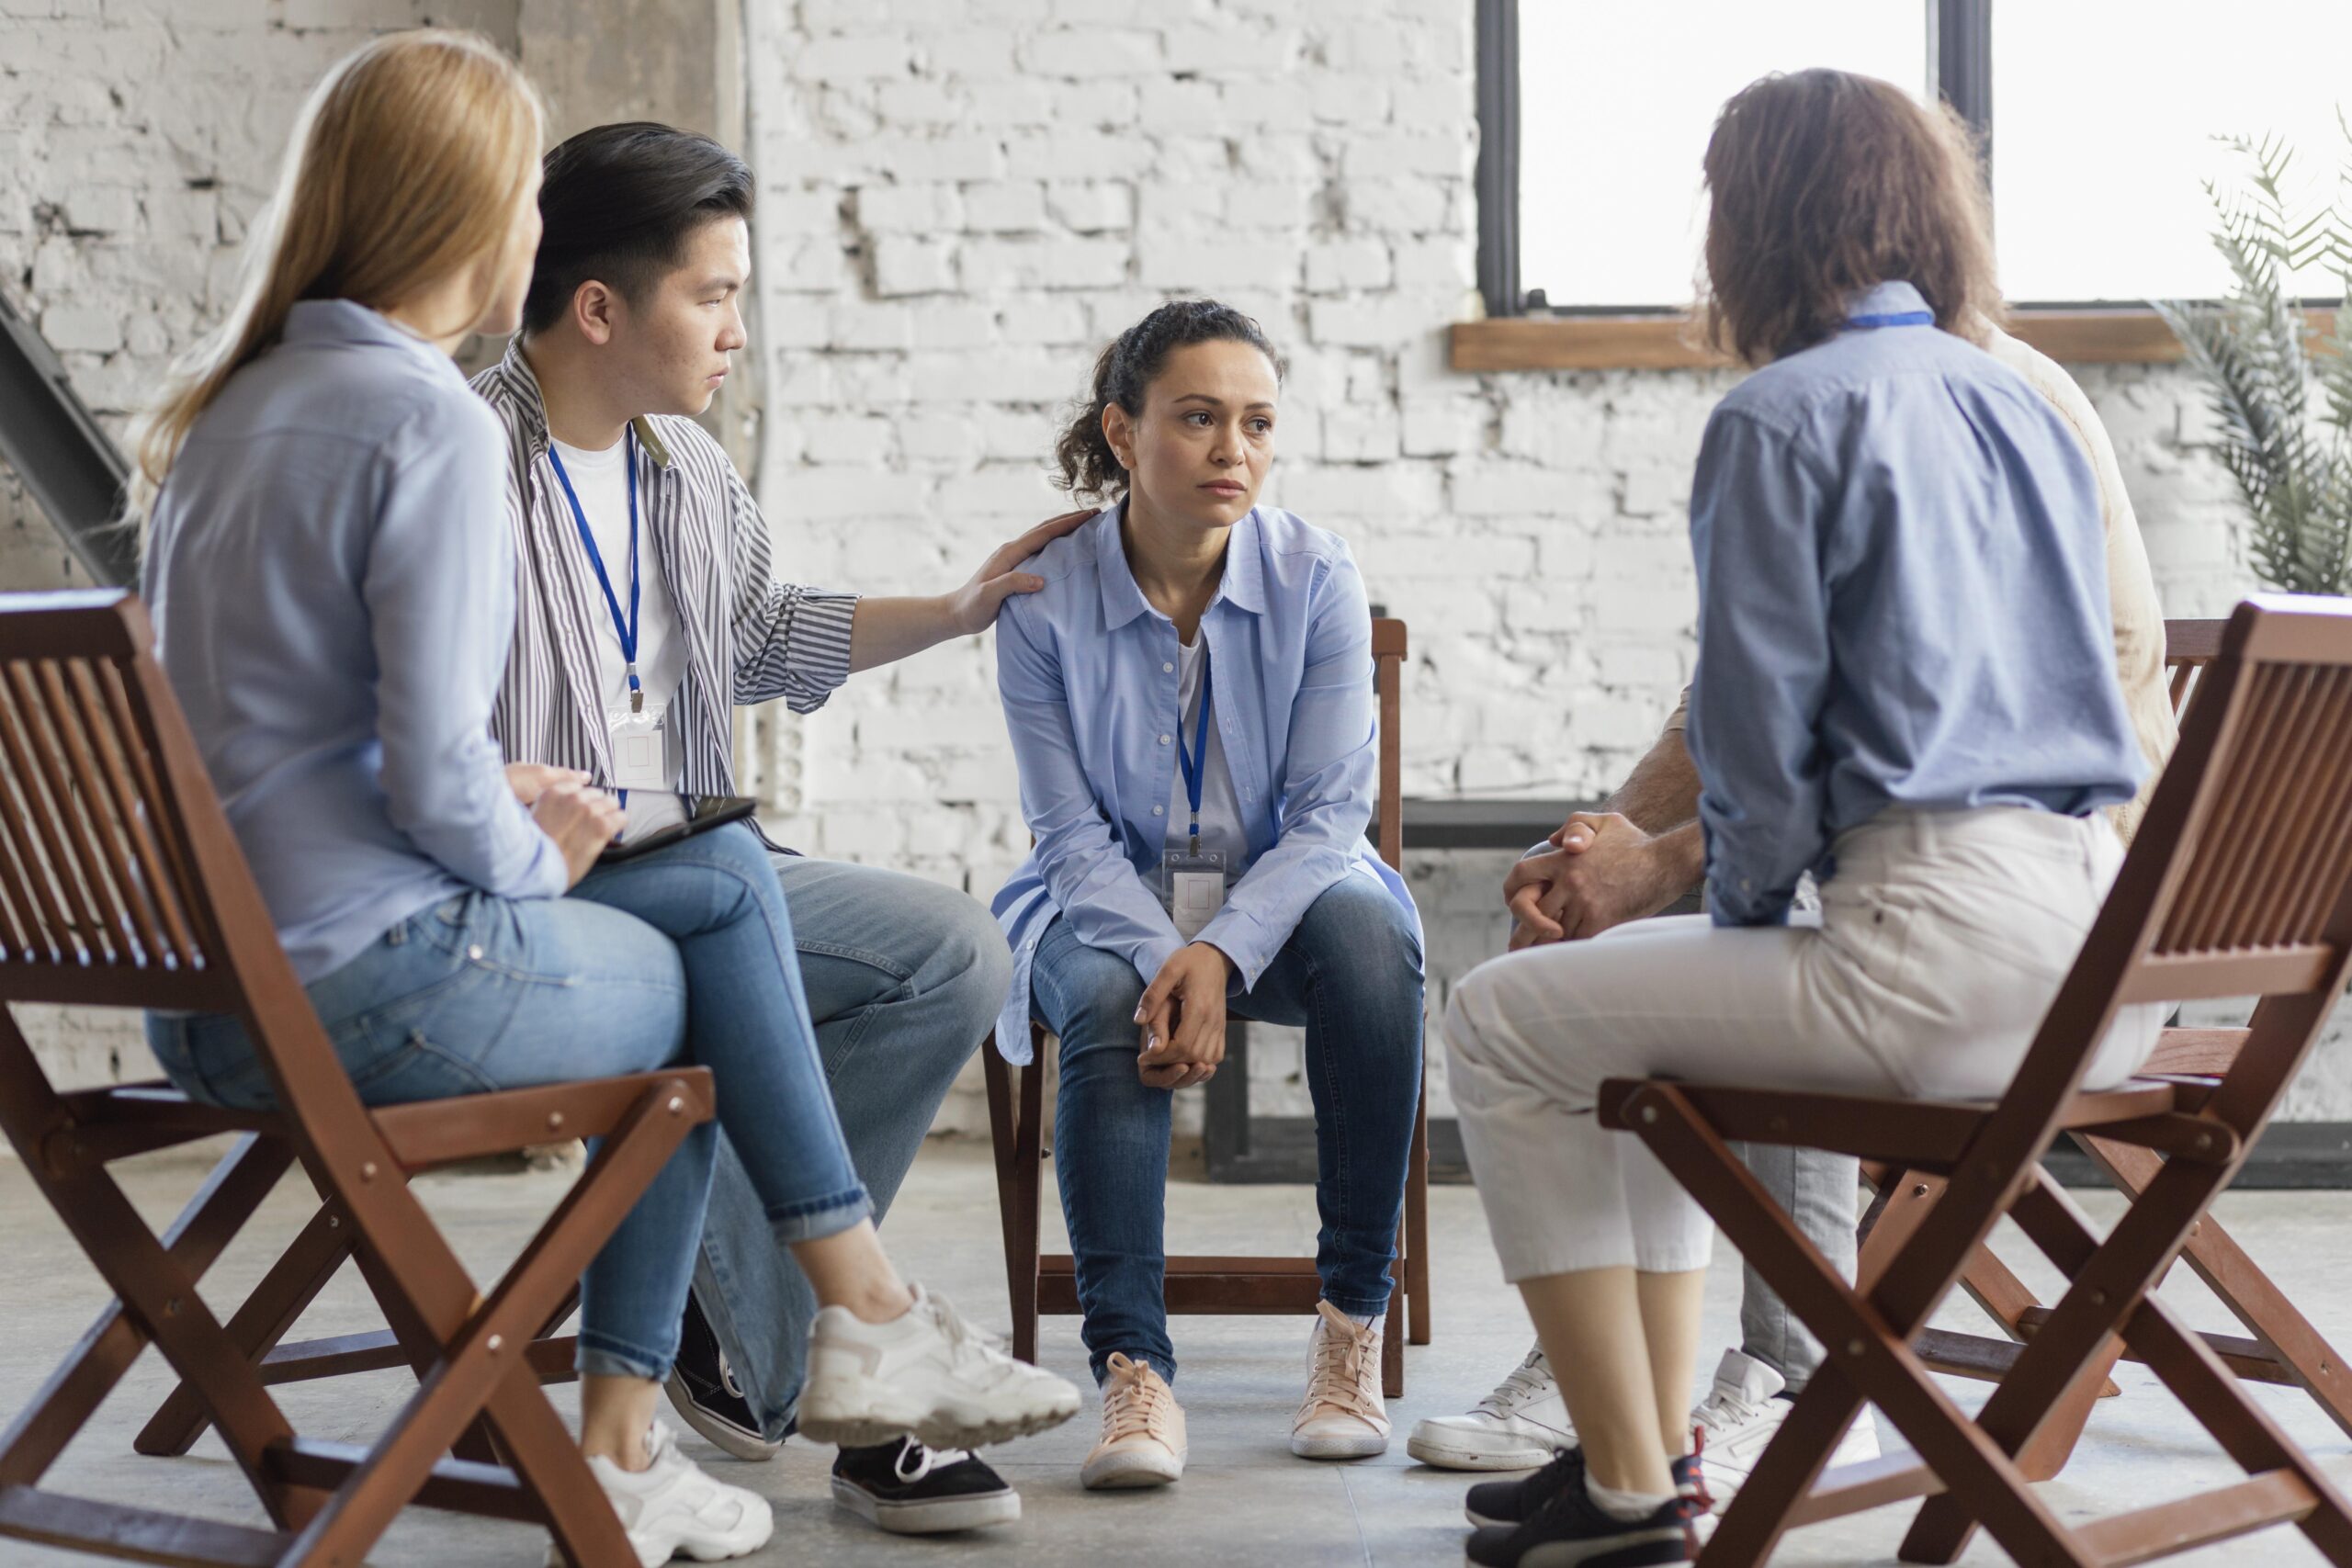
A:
(2282, 394)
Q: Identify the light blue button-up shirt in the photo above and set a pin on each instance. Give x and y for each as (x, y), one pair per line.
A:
(1902, 603)
(1089, 674)
(332, 579)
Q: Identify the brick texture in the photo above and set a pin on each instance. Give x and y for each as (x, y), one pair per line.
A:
(958, 204)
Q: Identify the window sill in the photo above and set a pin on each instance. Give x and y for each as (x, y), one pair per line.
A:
(2122, 336)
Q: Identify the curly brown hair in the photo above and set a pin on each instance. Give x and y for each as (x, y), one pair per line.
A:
(1125, 370)
(1822, 182)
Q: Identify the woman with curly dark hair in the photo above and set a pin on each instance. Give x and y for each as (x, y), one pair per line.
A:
(1905, 687)
(1190, 697)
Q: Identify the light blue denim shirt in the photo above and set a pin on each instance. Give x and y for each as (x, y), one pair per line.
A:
(1902, 603)
(332, 579)
(1088, 671)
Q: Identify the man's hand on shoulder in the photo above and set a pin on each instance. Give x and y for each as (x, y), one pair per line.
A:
(973, 607)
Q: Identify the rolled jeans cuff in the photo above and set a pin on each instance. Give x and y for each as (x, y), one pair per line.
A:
(817, 1218)
(598, 1355)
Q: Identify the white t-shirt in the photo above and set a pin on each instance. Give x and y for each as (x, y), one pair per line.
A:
(601, 481)
(1221, 829)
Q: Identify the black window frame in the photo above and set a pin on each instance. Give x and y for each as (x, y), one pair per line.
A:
(1960, 42)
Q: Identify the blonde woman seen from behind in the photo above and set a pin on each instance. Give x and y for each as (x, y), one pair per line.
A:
(332, 580)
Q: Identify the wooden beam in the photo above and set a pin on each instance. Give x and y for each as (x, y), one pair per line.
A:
(2121, 335)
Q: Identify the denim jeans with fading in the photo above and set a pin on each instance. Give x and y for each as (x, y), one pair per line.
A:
(480, 993)
(1351, 974)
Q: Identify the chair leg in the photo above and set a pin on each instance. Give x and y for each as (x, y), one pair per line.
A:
(1870, 1360)
(1021, 1245)
(237, 1186)
(2244, 1288)
(1417, 1227)
(2189, 1367)
(284, 1293)
(2134, 1260)
(1392, 1335)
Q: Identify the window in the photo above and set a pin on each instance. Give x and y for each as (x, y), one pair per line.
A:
(1616, 102)
(2100, 125)
(2103, 133)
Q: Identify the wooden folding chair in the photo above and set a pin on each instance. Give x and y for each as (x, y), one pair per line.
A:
(2239, 883)
(122, 886)
(2284, 1347)
(1232, 1285)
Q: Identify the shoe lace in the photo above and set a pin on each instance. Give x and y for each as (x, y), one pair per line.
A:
(1698, 1501)
(924, 1459)
(1340, 1375)
(1529, 1380)
(1136, 1403)
(964, 1339)
(1720, 1412)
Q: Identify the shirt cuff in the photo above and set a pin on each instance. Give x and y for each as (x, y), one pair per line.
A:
(818, 651)
(1235, 933)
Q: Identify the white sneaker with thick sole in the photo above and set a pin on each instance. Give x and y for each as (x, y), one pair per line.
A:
(1342, 1415)
(1519, 1427)
(926, 1371)
(1736, 1422)
(671, 1507)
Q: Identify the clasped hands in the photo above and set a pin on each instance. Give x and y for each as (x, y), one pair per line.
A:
(1599, 872)
(1181, 1021)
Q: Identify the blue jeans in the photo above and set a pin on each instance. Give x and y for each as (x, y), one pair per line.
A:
(483, 993)
(904, 978)
(1351, 974)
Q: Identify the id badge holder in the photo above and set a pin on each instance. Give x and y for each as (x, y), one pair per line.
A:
(1195, 886)
(640, 749)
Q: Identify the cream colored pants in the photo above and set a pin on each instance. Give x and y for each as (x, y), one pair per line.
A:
(1941, 941)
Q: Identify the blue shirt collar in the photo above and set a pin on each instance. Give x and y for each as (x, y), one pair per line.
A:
(1885, 299)
(1244, 584)
(347, 321)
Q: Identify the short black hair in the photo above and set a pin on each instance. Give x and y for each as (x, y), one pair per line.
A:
(619, 204)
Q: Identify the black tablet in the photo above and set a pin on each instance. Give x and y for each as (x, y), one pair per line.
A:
(703, 812)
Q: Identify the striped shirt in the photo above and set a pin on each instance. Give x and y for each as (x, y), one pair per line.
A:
(749, 639)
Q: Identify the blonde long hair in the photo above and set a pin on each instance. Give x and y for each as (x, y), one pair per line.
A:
(408, 165)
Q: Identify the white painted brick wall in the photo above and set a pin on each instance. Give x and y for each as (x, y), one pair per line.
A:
(960, 202)
(956, 218)
(137, 139)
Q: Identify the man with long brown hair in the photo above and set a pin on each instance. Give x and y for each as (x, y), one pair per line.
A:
(1904, 680)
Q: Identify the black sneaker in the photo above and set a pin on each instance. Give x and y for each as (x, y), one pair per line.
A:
(908, 1489)
(1509, 1501)
(1570, 1530)
(703, 1391)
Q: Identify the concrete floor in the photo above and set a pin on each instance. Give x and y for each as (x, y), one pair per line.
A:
(1245, 1499)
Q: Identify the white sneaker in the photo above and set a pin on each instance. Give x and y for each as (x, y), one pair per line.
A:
(1519, 1427)
(671, 1506)
(1736, 1422)
(926, 1371)
(1342, 1415)
(1142, 1441)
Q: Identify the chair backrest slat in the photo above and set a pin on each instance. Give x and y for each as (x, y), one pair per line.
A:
(121, 908)
(57, 936)
(94, 874)
(1389, 649)
(169, 869)
(137, 866)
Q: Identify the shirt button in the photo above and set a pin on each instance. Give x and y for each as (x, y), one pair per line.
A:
(1159, 811)
(1167, 670)
(474, 952)
(1163, 740)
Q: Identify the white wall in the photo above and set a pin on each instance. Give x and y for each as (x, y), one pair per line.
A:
(960, 202)
(955, 217)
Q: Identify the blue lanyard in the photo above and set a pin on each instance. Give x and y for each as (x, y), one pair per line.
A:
(1193, 761)
(1891, 319)
(624, 627)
